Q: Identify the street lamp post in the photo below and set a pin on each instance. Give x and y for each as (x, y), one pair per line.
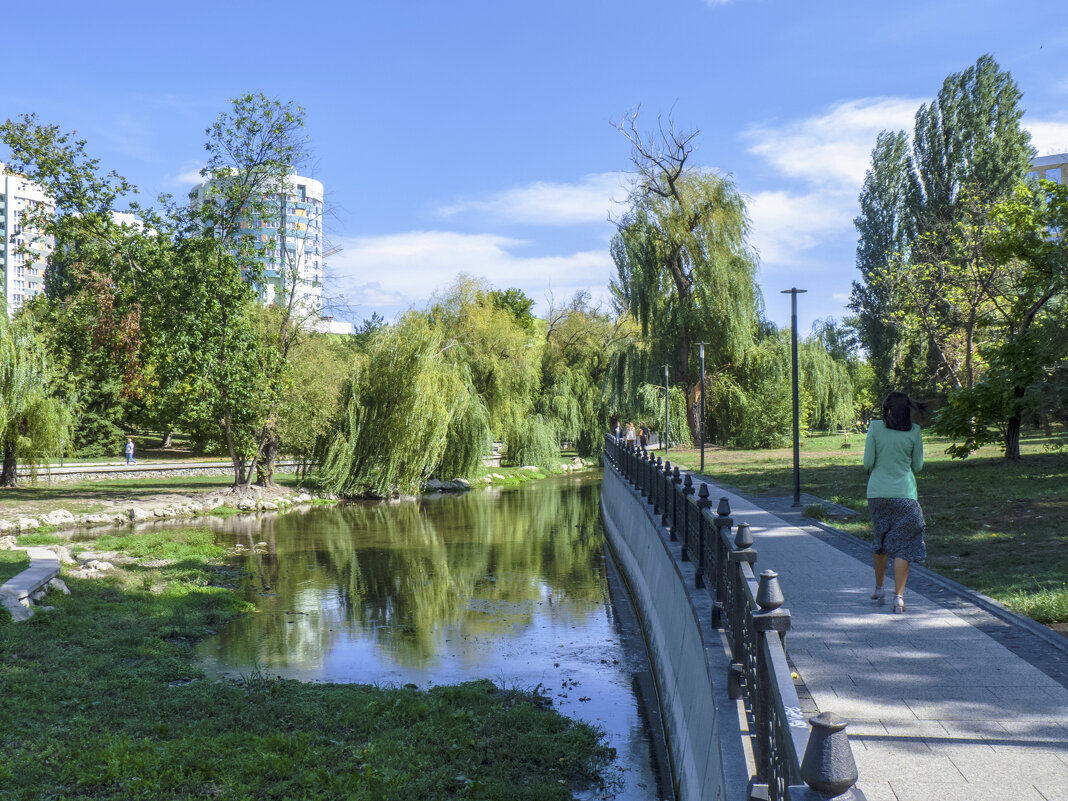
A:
(702, 352)
(793, 293)
(666, 392)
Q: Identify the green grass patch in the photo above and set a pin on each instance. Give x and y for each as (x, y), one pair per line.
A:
(12, 563)
(224, 511)
(178, 543)
(103, 699)
(39, 537)
(996, 526)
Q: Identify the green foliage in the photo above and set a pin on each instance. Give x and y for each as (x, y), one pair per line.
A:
(467, 442)
(532, 441)
(404, 396)
(650, 400)
(318, 371)
(498, 354)
(685, 270)
(516, 303)
(930, 283)
(885, 228)
(34, 422)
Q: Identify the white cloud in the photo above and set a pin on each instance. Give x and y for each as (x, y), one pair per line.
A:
(591, 200)
(391, 273)
(833, 149)
(787, 223)
(187, 177)
(1048, 136)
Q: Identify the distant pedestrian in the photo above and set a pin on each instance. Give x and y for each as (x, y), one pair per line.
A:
(630, 435)
(893, 454)
(619, 432)
(643, 434)
(130, 453)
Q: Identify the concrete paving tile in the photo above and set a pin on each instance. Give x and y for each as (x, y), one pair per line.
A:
(1054, 697)
(907, 790)
(1053, 793)
(949, 710)
(1010, 769)
(914, 728)
(877, 791)
(893, 745)
(908, 766)
(1029, 730)
(861, 710)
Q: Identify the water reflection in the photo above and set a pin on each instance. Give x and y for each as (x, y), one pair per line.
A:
(475, 566)
(507, 585)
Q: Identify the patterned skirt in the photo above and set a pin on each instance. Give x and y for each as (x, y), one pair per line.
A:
(897, 527)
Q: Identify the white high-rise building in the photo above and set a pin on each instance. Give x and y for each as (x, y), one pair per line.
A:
(300, 265)
(1052, 168)
(24, 251)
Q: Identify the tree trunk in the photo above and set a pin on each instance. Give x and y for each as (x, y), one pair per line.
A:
(265, 467)
(166, 443)
(9, 472)
(1012, 430)
(693, 412)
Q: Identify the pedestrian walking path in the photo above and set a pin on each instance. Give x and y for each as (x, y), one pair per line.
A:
(947, 702)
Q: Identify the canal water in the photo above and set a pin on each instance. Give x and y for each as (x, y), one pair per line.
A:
(511, 585)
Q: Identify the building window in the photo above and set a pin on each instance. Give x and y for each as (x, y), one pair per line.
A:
(1055, 175)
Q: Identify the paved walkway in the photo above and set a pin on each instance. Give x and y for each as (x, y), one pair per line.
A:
(947, 702)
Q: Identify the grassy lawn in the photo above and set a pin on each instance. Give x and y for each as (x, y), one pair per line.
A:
(103, 700)
(12, 563)
(996, 526)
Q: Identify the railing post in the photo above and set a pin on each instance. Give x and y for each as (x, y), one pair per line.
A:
(658, 485)
(768, 617)
(687, 492)
(827, 768)
(676, 484)
(703, 505)
(719, 567)
(668, 487)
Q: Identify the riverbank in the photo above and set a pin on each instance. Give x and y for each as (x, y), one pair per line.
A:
(996, 526)
(104, 699)
(111, 501)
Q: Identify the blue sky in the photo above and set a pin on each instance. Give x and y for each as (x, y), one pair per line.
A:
(475, 137)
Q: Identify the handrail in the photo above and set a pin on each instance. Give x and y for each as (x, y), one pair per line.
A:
(791, 763)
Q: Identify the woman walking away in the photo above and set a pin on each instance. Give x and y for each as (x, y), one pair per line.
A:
(893, 454)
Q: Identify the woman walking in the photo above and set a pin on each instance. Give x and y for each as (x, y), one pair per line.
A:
(893, 454)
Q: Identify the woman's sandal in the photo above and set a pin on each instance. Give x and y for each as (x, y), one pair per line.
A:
(878, 595)
(899, 604)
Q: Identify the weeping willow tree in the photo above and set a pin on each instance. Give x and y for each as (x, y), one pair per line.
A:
(651, 410)
(751, 406)
(34, 422)
(532, 442)
(409, 410)
(496, 348)
(828, 386)
(684, 264)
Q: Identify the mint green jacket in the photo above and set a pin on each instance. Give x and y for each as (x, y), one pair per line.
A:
(892, 458)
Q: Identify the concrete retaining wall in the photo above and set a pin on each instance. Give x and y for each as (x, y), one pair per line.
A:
(689, 658)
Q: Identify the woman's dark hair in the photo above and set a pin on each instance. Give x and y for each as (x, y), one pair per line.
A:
(898, 411)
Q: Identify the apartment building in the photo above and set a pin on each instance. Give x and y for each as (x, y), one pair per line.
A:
(1052, 168)
(23, 250)
(291, 242)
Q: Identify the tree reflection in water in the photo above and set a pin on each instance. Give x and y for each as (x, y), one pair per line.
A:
(411, 576)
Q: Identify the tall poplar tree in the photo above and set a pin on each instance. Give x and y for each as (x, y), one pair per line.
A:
(885, 229)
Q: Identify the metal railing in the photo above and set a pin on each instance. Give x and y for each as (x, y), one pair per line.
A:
(792, 763)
